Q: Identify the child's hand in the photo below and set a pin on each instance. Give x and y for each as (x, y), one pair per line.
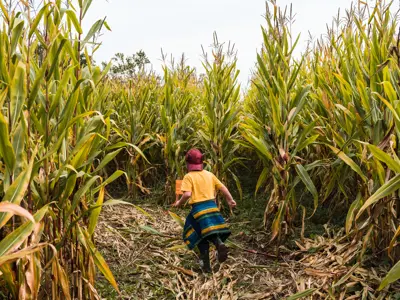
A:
(176, 204)
(232, 203)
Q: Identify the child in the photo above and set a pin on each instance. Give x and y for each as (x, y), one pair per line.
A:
(204, 223)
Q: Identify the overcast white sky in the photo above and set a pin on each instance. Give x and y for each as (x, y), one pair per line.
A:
(182, 26)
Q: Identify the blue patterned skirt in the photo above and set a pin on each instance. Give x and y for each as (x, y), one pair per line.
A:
(203, 221)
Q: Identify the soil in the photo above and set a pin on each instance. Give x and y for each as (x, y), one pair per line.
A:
(144, 250)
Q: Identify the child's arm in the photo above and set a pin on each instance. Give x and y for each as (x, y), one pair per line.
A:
(184, 198)
(228, 197)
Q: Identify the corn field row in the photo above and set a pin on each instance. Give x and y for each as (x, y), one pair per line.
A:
(327, 123)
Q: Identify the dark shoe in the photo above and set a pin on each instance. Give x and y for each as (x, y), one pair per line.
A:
(205, 262)
(222, 253)
(206, 268)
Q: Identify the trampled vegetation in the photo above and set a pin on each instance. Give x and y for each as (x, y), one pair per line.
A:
(323, 126)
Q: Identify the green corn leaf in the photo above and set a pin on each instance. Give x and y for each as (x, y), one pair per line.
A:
(177, 219)
(86, 6)
(150, 229)
(259, 145)
(4, 10)
(262, 179)
(81, 192)
(17, 94)
(18, 141)
(238, 185)
(305, 177)
(94, 215)
(348, 161)
(307, 142)
(110, 179)
(61, 89)
(99, 261)
(352, 212)
(392, 276)
(15, 193)
(37, 20)
(72, 17)
(82, 151)
(37, 83)
(302, 142)
(109, 157)
(384, 157)
(55, 62)
(96, 27)
(3, 95)
(385, 190)
(16, 34)
(302, 294)
(124, 144)
(8, 276)
(389, 90)
(300, 101)
(390, 106)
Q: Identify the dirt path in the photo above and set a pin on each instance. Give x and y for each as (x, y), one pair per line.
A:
(148, 261)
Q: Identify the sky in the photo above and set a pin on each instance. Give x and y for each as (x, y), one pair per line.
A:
(183, 26)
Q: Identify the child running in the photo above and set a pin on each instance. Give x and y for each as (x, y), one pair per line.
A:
(204, 222)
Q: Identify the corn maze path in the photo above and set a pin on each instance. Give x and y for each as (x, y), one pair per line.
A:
(146, 256)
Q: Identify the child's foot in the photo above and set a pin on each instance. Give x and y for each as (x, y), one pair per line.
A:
(205, 266)
(205, 262)
(222, 253)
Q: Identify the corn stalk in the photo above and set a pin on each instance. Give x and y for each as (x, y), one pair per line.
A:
(221, 107)
(276, 124)
(53, 141)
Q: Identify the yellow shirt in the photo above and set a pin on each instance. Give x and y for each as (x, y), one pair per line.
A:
(202, 184)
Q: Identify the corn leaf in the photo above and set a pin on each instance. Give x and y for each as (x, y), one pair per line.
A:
(20, 254)
(94, 215)
(6, 149)
(18, 236)
(392, 276)
(348, 161)
(385, 190)
(177, 219)
(384, 157)
(14, 209)
(302, 294)
(305, 177)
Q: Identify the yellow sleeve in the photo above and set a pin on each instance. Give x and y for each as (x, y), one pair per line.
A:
(186, 184)
(218, 184)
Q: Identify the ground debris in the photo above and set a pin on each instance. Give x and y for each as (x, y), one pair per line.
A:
(149, 261)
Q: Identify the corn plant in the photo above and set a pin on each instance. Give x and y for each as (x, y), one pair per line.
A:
(177, 120)
(134, 104)
(52, 152)
(221, 106)
(275, 125)
(356, 75)
(356, 86)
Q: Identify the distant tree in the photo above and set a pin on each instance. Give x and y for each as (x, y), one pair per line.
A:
(84, 62)
(128, 66)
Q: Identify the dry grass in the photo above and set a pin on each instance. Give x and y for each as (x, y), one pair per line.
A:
(138, 251)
